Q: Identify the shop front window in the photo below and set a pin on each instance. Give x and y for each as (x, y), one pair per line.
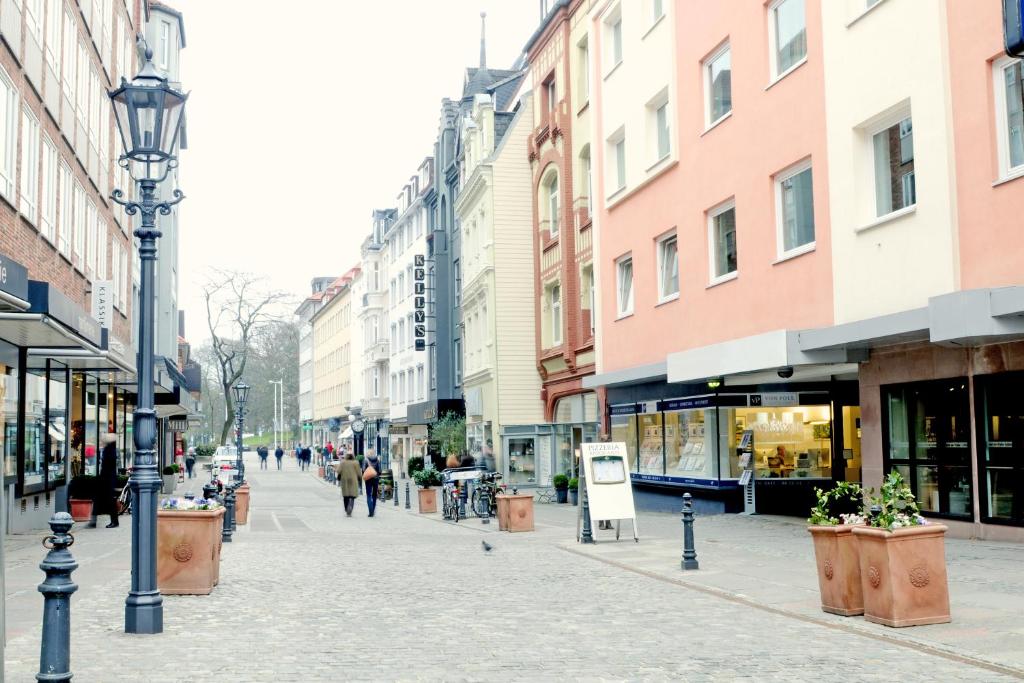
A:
(57, 426)
(1002, 454)
(35, 430)
(928, 441)
(689, 444)
(792, 442)
(522, 460)
(9, 409)
(480, 445)
(624, 429)
(652, 453)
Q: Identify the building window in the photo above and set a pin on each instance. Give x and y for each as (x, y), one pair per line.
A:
(613, 39)
(1008, 76)
(662, 134)
(657, 10)
(1001, 434)
(718, 85)
(894, 159)
(551, 189)
(29, 165)
(48, 222)
(927, 439)
(583, 54)
(722, 229)
(617, 161)
(555, 303)
(165, 44)
(624, 289)
(457, 346)
(551, 94)
(794, 196)
(668, 268)
(419, 383)
(8, 133)
(412, 388)
(65, 224)
(788, 29)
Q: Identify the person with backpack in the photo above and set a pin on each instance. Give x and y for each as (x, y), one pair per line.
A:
(279, 453)
(263, 453)
(371, 479)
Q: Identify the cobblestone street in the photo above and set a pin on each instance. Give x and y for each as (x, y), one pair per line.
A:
(308, 595)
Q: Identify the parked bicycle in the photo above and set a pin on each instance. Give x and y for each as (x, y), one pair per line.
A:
(450, 500)
(485, 495)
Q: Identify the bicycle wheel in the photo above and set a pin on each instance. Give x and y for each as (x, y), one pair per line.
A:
(477, 503)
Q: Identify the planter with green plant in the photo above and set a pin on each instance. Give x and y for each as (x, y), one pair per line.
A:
(902, 560)
(415, 465)
(426, 480)
(81, 492)
(448, 437)
(170, 477)
(832, 522)
(561, 484)
(574, 490)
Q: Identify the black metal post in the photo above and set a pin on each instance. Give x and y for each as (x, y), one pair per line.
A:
(229, 511)
(485, 503)
(408, 505)
(689, 553)
(587, 535)
(394, 488)
(234, 506)
(55, 648)
(144, 610)
(239, 465)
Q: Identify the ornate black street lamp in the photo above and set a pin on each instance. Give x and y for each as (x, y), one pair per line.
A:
(241, 396)
(149, 114)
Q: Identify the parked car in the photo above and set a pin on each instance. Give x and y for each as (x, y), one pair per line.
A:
(225, 461)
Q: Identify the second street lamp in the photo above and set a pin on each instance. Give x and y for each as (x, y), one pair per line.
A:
(149, 113)
(241, 396)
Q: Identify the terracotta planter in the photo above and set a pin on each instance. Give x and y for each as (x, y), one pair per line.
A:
(188, 551)
(81, 510)
(428, 501)
(170, 481)
(835, 553)
(242, 504)
(518, 512)
(903, 575)
(320, 472)
(502, 503)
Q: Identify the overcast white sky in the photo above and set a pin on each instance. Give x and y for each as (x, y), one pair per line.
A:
(304, 116)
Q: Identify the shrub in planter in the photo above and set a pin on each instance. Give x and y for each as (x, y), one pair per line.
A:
(426, 480)
(574, 489)
(81, 491)
(902, 561)
(561, 484)
(170, 469)
(415, 465)
(835, 548)
(170, 478)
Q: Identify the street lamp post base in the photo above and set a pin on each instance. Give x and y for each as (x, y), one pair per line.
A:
(144, 613)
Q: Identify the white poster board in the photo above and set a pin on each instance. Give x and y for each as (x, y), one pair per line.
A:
(608, 485)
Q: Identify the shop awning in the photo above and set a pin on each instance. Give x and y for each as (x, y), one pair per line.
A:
(346, 434)
(82, 359)
(37, 330)
(13, 285)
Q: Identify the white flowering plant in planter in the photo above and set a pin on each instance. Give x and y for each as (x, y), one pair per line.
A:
(896, 507)
(189, 504)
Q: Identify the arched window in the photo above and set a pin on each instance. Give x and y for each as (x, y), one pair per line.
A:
(549, 201)
(585, 192)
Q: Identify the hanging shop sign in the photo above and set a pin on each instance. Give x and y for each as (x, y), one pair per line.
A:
(103, 302)
(13, 279)
(178, 423)
(420, 302)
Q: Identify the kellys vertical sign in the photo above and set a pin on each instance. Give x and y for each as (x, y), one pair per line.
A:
(419, 279)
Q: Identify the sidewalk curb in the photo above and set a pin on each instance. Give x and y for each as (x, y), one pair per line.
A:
(902, 641)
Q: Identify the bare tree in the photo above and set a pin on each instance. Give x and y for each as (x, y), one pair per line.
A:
(237, 305)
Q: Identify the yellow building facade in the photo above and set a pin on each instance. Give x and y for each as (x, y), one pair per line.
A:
(332, 360)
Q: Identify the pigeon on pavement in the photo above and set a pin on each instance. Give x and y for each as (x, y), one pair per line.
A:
(487, 546)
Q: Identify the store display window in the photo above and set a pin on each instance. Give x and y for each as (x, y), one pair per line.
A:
(651, 449)
(9, 409)
(927, 438)
(689, 444)
(624, 428)
(522, 460)
(480, 444)
(1001, 449)
(45, 425)
(787, 442)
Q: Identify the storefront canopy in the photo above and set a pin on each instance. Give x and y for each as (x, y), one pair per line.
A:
(13, 285)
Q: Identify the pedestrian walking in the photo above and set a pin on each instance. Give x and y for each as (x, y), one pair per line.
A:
(349, 474)
(279, 453)
(190, 462)
(371, 479)
(263, 453)
(307, 457)
(105, 495)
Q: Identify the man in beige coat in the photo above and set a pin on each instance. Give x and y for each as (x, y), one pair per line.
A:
(349, 474)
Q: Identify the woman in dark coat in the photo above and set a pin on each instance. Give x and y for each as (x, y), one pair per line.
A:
(349, 474)
(371, 484)
(105, 495)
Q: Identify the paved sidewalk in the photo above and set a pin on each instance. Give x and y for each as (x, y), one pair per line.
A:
(309, 595)
(768, 562)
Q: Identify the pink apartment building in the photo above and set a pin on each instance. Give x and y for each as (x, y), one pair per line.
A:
(807, 270)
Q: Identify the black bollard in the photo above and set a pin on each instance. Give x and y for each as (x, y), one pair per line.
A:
(485, 503)
(234, 506)
(209, 490)
(394, 491)
(408, 505)
(55, 648)
(229, 508)
(689, 553)
(587, 534)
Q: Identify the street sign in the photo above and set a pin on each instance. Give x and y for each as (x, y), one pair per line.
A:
(420, 301)
(1013, 40)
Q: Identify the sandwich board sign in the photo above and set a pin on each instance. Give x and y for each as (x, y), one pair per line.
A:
(609, 489)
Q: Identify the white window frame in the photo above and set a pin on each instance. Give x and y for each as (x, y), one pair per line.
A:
(34, 19)
(661, 245)
(714, 212)
(48, 212)
(721, 51)
(624, 309)
(555, 304)
(10, 117)
(65, 224)
(878, 125)
(583, 57)
(551, 88)
(773, 42)
(54, 20)
(613, 39)
(999, 67)
(79, 232)
(31, 144)
(656, 104)
(616, 173)
(554, 210)
(165, 44)
(102, 272)
(70, 60)
(91, 218)
(657, 11)
(780, 240)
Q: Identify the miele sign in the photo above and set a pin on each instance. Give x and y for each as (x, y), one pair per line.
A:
(13, 278)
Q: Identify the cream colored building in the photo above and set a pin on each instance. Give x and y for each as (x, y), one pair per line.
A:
(332, 360)
(494, 212)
